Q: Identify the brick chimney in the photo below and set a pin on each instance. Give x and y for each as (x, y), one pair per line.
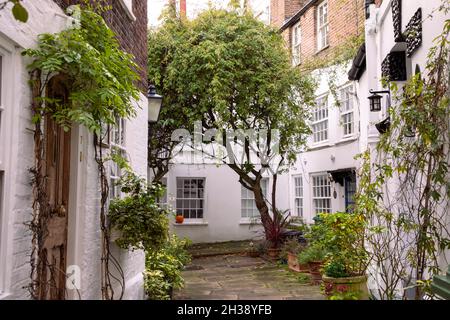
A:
(282, 10)
(183, 8)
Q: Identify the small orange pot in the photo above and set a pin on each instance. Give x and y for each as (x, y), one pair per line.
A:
(179, 219)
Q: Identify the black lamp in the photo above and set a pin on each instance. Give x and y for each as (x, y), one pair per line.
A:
(154, 104)
(375, 100)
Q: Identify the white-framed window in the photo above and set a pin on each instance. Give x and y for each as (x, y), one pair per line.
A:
(320, 120)
(296, 44)
(128, 6)
(117, 145)
(322, 25)
(321, 193)
(346, 109)
(163, 200)
(298, 196)
(248, 204)
(191, 197)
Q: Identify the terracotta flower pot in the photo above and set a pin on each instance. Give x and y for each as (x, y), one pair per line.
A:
(179, 219)
(357, 284)
(274, 253)
(294, 265)
(315, 268)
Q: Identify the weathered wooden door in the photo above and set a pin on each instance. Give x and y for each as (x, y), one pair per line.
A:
(52, 273)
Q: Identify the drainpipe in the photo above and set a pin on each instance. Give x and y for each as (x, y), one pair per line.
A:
(441, 285)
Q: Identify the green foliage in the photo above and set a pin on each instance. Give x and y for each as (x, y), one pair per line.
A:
(232, 72)
(163, 268)
(313, 253)
(292, 246)
(99, 75)
(343, 239)
(155, 285)
(345, 295)
(139, 219)
(18, 10)
(407, 229)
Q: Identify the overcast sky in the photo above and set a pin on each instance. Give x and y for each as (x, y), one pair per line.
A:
(195, 6)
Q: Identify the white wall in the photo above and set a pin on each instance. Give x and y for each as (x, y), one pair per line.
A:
(84, 231)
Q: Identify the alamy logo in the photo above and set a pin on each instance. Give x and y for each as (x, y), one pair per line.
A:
(252, 147)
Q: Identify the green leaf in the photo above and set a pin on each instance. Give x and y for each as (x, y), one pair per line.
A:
(19, 12)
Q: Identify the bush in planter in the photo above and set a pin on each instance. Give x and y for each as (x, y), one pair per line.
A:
(313, 253)
(163, 268)
(291, 248)
(140, 221)
(347, 259)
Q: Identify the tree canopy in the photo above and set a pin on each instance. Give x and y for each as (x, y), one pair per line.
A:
(232, 72)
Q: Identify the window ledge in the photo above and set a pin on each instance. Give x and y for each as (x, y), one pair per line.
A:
(323, 49)
(191, 223)
(128, 10)
(245, 221)
(320, 145)
(352, 137)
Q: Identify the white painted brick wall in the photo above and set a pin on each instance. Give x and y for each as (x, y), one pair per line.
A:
(46, 16)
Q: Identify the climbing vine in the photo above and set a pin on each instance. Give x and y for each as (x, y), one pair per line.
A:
(100, 80)
(405, 191)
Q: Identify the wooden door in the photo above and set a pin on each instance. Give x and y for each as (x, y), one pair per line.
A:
(52, 273)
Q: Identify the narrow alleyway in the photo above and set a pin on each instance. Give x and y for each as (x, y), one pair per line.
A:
(239, 277)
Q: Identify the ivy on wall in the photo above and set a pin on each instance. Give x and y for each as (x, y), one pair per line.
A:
(100, 78)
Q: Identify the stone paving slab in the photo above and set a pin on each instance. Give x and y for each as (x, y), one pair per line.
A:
(238, 277)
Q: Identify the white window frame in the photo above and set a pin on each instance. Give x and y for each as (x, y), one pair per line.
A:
(7, 82)
(248, 196)
(299, 203)
(181, 209)
(163, 201)
(347, 108)
(319, 195)
(128, 7)
(117, 134)
(323, 32)
(320, 123)
(296, 44)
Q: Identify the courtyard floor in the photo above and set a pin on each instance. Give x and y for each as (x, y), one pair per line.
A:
(240, 277)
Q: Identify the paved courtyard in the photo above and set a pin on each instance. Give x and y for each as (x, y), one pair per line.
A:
(239, 277)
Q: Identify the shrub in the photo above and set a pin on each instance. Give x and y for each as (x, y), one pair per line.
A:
(166, 265)
(142, 223)
(311, 254)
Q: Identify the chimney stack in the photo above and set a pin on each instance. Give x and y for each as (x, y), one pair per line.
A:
(282, 10)
(183, 8)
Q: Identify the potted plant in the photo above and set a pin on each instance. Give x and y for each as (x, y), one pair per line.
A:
(252, 250)
(347, 259)
(291, 249)
(274, 233)
(313, 256)
(179, 218)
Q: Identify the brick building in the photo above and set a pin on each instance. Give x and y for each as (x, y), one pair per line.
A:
(312, 28)
(81, 248)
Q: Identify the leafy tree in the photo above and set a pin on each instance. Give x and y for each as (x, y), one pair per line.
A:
(232, 73)
(18, 10)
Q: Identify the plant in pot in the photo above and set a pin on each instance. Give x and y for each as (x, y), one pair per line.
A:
(347, 259)
(313, 256)
(291, 249)
(179, 218)
(252, 250)
(275, 232)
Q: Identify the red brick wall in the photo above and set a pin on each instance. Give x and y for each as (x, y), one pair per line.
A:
(346, 19)
(132, 35)
(281, 10)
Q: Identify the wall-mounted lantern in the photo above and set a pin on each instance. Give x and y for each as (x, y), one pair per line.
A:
(375, 100)
(154, 104)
